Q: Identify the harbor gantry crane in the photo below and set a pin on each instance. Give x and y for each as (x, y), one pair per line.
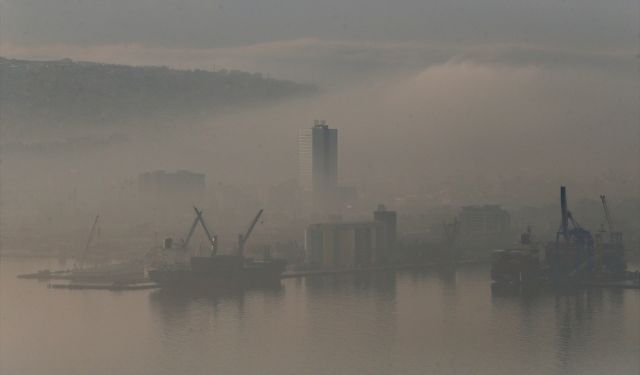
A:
(242, 239)
(574, 255)
(614, 236)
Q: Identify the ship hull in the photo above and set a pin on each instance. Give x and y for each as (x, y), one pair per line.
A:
(210, 272)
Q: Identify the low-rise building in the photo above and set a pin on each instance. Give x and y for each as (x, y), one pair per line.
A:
(484, 220)
(181, 182)
(353, 244)
(342, 245)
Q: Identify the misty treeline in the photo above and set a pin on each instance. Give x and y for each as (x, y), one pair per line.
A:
(65, 93)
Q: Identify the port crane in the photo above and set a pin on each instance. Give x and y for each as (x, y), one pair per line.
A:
(89, 240)
(611, 253)
(614, 236)
(200, 219)
(576, 234)
(242, 239)
(575, 255)
(590, 258)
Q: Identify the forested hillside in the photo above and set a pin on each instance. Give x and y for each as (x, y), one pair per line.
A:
(65, 93)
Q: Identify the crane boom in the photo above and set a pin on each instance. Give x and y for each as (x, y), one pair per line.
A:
(564, 214)
(243, 238)
(191, 230)
(91, 233)
(607, 214)
(206, 230)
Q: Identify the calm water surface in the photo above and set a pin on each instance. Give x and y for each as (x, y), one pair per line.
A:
(427, 322)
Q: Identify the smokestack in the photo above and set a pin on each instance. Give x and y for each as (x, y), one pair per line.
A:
(563, 210)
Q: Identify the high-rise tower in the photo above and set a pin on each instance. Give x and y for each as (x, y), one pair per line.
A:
(318, 158)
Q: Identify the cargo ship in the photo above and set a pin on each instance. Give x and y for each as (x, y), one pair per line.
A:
(220, 271)
(517, 265)
(216, 271)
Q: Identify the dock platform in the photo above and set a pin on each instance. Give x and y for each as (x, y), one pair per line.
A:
(47, 275)
(625, 284)
(107, 286)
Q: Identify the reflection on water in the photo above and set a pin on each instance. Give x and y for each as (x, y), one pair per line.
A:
(441, 321)
(586, 326)
(177, 306)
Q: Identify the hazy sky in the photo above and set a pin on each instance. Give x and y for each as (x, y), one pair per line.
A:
(212, 24)
(304, 38)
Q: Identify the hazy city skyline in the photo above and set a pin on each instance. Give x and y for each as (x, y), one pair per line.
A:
(319, 187)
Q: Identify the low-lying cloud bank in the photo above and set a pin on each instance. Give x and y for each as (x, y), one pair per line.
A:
(474, 124)
(333, 62)
(486, 132)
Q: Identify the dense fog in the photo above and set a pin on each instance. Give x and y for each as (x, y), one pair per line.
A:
(319, 187)
(431, 116)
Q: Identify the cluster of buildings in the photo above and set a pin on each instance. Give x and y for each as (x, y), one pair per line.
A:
(486, 220)
(330, 242)
(334, 243)
(163, 184)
